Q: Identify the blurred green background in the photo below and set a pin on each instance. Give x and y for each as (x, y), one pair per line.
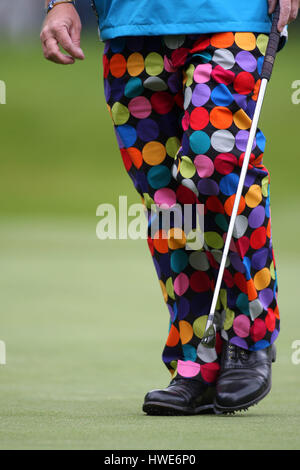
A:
(83, 320)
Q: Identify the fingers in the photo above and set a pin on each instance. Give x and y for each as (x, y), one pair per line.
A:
(272, 5)
(294, 10)
(52, 52)
(65, 40)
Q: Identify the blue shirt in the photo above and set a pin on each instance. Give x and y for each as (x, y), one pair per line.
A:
(160, 17)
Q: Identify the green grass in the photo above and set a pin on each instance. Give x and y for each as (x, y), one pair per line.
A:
(84, 338)
(83, 320)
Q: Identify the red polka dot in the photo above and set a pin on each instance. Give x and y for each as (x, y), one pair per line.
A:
(179, 56)
(126, 159)
(270, 320)
(201, 44)
(199, 119)
(210, 372)
(219, 343)
(242, 245)
(173, 337)
(228, 279)
(185, 121)
(221, 75)
(199, 281)
(241, 159)
(225, 163)
(162, 102)
(179, 100)
(244, 83)
(213, 204)
(105, 66)
(150, 244)
(258, 238)
(240, 282)
(258, 330)
(211, 260)
(186, 195)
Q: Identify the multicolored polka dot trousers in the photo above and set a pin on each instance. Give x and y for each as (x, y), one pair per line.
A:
(182, 109)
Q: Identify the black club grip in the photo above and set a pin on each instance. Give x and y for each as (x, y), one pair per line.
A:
(272, 48)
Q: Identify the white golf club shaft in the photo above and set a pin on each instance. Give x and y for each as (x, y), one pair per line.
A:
(239, 191)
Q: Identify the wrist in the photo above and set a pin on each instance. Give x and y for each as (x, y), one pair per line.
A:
(50, 4)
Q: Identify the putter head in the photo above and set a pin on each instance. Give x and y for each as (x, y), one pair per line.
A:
(209, 337)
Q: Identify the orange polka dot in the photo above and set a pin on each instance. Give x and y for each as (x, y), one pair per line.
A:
(177, 238)
(256, 90)
(221, 118)
(135, 64)
(160, 241)
(245, 41)
(222, 40)
(117, 65)
(262, 279)
(135, 156)
(173, 337)
(276, 311)
(228, 206)
(186, 331)
(269, 229)
(154, 153)
(164, 290)
(242, 120)
(252, 292)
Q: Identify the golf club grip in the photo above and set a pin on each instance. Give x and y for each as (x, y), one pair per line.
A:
(272, 47)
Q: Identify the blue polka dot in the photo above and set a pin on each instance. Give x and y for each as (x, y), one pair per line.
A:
(260, 141)
(262, 344)
(199, 142)
(179, 261)
(243, 303)
(229, 184)
(189, 352)
(117, 44)
(134, 87)
(127, 135)
(268, 207)
(221, 96)
(260, 63)
(159, 176)
(247, 264)
(205, 56)
(117, 89)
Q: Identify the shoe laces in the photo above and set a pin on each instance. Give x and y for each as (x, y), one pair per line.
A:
(235, 353)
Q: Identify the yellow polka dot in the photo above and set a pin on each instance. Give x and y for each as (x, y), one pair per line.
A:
(154, 64)
(253, 196)
(262, 43)
(199, 326)
(154, 153)
(176, 238)
(164, 290)
(262, 279)
(172, 146)
(190, 75)
(245, 41)
(170, 288)
(242, 120)
(185, 331)
(135, 64)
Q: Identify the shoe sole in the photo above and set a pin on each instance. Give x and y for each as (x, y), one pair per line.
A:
(244, 407)
(161, 409)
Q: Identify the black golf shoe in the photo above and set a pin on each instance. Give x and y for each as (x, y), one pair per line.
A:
(245, 377)
(182, 397)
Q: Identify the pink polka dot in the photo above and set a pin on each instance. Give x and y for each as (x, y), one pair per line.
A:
(241, 326)
(204, 166)
(202, 73)
(185, 121)
(165, 198)
(168, 65)
(140, 107)
(181, 284)
(188, 368)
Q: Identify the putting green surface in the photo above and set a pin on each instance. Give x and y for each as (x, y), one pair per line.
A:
(84, 325)
(83, 320)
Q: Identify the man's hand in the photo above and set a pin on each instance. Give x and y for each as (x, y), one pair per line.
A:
(62, 26)
(288, 11)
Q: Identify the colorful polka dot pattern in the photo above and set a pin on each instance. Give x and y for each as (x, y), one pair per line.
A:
(182, 109)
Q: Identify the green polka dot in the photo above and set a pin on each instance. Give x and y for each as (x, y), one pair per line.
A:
(170, 288)
(120, 114)
(199, 326)
(148, 201)
(223, 297)
(262, 42)
(172, 146)
(190, 75)
(154, 64)
(265, 186)
(214, 240)
(187, 167)
(229, 317)
(222, 222)
(272, 271)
